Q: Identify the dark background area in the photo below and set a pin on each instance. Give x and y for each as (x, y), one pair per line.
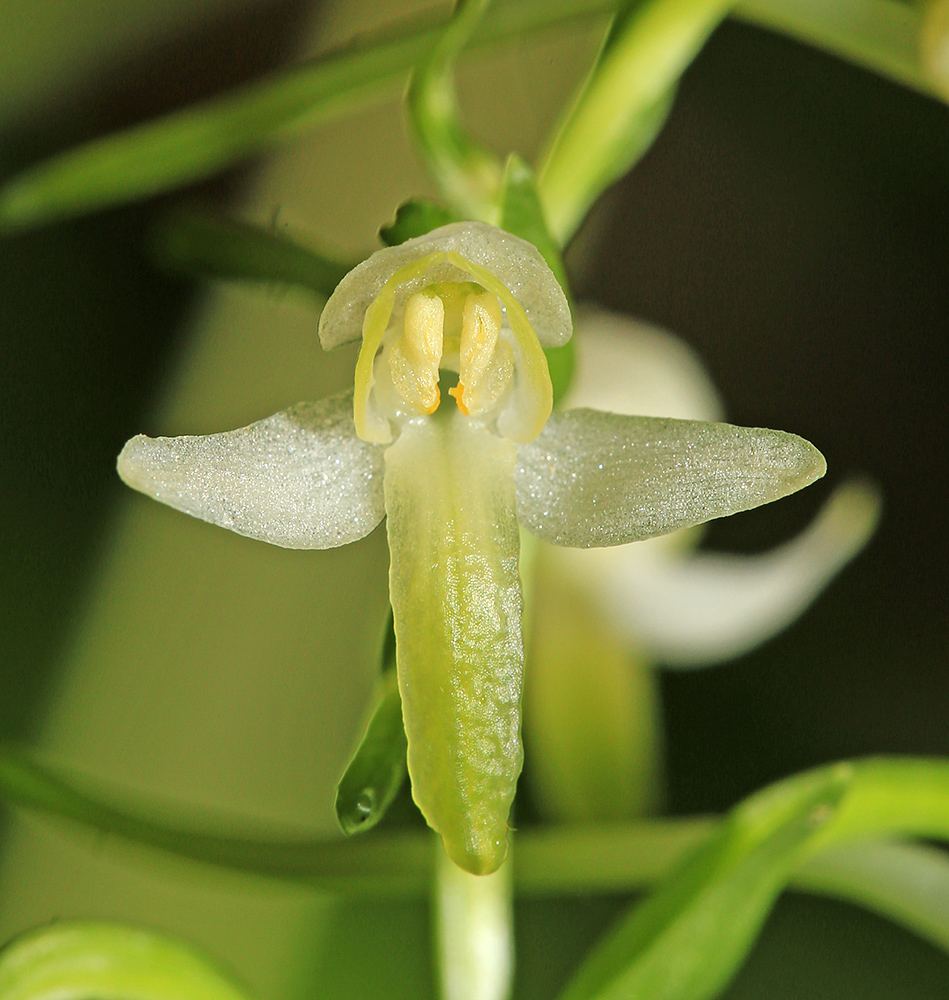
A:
(791, 223)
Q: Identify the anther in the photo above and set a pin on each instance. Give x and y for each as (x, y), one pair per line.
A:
(486, 361)
(414, 358)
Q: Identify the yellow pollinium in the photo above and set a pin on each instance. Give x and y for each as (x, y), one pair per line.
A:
(416, 355)
(486, 362)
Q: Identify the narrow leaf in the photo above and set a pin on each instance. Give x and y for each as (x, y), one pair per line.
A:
(889, 796)
(209, 246)
(186, 145)
(686, 941)
(375, 774)
(78, 960)
(200, 140)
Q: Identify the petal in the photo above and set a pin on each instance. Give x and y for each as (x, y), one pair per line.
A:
(456, 602)
(627, 366)
(300, 479)
(514, 262)
(596, 478)
(705, 608)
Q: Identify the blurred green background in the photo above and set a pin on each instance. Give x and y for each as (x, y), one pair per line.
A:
(791, 223)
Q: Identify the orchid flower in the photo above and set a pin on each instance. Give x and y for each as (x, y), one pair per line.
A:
(467, 309)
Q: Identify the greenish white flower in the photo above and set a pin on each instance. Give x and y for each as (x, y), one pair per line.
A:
(463, 312)
(690, 608)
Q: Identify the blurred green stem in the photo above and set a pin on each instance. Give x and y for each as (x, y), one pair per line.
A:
(200, 140)
(622, 104)
(468, 174)
(886, 797)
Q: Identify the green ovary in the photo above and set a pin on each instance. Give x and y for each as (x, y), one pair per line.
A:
(456, 601)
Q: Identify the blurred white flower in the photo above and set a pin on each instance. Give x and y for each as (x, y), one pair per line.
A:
(689, 608)
(603, 617)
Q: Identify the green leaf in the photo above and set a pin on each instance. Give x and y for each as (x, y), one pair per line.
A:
(523, 215)
(79, 960)
(908, 884)
(375, 774)
(200, 140)
(686, 941)
(468, 174)
(186, 145)
(416, 217)
(210, 246)
(879, 35)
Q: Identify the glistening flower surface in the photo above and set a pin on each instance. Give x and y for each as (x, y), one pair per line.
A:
(688, 608)
(467, 308)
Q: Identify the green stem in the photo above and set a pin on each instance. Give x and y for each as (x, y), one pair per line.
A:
(394, 864)
(468, 174)
(622, 105)
(907, 883)
(474, 931)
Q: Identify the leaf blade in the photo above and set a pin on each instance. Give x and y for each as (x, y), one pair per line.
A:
(210, 246)
(685, 941)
